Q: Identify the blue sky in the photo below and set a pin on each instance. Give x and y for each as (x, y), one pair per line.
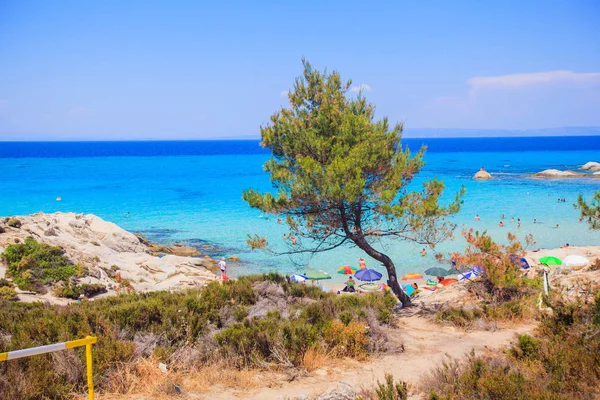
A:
(184, 70)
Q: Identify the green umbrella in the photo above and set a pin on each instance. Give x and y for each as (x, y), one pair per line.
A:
(317, 275)
(437, 271)
(549, 260)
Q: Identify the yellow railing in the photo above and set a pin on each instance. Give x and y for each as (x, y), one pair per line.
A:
(33, 351)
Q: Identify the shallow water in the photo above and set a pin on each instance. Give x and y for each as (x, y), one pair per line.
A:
(191, 191)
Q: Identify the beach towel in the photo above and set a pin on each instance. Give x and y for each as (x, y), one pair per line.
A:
(408, 289)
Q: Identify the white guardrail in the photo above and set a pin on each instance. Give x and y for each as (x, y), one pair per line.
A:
(34, 351)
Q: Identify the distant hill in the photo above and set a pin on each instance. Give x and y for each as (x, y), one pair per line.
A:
(457, 132)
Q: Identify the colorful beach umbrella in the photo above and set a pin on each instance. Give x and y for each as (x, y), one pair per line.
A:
(408, 277)
(347, 270)
(317, 275)
(550, 260)
(371, 287)
(448, 281)
(437, 271)
(368, 275)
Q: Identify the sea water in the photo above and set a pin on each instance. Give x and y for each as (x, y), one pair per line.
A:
(191, 192)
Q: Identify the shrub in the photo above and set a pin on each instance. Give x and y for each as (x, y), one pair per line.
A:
(179, 323)
(75, 291)
(8, 293)
(560, 362)
(32, 265)
(14, 223)
(5, 283)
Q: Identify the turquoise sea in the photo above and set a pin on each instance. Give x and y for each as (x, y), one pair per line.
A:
(191, 192)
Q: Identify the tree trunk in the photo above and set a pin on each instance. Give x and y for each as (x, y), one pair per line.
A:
(389, 266)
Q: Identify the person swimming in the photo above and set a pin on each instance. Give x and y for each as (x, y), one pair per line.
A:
(501, 223)
(477, 217)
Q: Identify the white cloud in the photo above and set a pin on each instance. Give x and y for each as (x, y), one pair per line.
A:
(284, 93)
(535, 78)
(363, 87)
(528, 100)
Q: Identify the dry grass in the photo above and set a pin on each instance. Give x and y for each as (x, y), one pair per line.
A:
(314, 358)
(144, 379)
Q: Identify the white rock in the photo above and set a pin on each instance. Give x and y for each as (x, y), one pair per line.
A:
(555, 173)
(98, 244)
(592, 166)
(482, 174)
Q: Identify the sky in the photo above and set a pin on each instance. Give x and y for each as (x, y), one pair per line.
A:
(128, 70)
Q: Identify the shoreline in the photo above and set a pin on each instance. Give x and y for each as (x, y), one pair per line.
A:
(99, 244)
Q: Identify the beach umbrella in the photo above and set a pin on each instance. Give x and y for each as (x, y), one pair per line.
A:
(524, 263)
(448, 281)
(368, 275)
(317, 275)
(410, 276)
(550, 260)
(437, 271)
(466, 275)
(371, 287)
(575, 261)
(347, 270)
(297, 278)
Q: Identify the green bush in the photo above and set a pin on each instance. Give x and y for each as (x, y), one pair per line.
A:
(75, 291)
(5, 283)
(8, 293)
(562, 361)
(178, 321)
(33, 265)
(14, 223)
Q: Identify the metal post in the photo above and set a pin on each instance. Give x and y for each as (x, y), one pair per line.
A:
(88, 357)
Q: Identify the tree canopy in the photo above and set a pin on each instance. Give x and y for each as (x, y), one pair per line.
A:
(590, 211)
(341, 176)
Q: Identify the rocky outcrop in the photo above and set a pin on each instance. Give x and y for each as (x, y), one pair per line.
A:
(555, 173)
(591, 166)
(482, 174)
(176, 249)
(110, 253)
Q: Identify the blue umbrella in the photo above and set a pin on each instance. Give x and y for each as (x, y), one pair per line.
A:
(368, 275)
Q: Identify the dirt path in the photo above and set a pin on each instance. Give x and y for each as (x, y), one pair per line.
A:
(426, 344)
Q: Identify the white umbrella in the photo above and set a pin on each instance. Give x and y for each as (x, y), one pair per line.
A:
(575, 261)
(297, 278)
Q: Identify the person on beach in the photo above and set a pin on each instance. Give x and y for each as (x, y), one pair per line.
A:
(349, 285)
(519, 222)
(477, 217)
(361, 263)
(223, 267)
(535, 221)
(512, 219)
(423, 252)
(556, 226)
(501, 223)
(284, 236)
(293, 240)
(503, 217)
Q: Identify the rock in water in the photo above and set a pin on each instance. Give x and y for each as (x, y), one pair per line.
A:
(555, 173)
(482, 174)
(591, 166)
